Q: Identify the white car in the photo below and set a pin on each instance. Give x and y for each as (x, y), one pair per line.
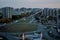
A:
(33, 36)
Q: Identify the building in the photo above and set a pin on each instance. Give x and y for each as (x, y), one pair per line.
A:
(58, 17)
(44, 11)
(0, 10)
(1, 13)
(48, 11)
(54, 12)
(17, 11)
(7, 12)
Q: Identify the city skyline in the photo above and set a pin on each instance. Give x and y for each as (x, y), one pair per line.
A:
(30, 3)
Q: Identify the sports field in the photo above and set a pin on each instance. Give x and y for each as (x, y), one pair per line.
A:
(21, 26)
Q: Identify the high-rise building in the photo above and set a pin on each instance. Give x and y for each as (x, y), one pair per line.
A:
(45, 11)
(54, 12)
(1, 13)
(50, 12)
(58, 18)
(7, 12)
(0, 10)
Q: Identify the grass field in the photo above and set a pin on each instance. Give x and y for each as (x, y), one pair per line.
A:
(22, 26)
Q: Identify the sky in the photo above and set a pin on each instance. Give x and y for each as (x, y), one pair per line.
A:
(30, 3)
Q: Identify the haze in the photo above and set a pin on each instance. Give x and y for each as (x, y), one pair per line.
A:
(30, 3)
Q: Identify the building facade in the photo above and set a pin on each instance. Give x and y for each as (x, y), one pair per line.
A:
(7, 12)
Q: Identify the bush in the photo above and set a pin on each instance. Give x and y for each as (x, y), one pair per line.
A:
(4, 38)
(6, 20)
(15, 17)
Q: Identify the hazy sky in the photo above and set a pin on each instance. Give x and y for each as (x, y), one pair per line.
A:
(30, 3)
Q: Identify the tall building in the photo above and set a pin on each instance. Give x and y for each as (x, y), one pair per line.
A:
(0, 10)
(58, 18)
(54, 12)
(7, 12)
(50, 12)
(45, 11)
(1, 13)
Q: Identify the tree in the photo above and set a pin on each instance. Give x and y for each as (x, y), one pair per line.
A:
(23, 14)
(55, 19)
(50, 18)
(15, 17)
(6, 20)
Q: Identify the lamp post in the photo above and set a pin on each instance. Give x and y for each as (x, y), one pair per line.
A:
(23, 36)
(41, 36)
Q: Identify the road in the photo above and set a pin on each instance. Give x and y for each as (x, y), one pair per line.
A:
(39, 28)
(44, 32)
(5, 34)
(8, 36)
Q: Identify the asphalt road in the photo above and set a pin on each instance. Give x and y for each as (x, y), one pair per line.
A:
(44, 32)
(8, 36)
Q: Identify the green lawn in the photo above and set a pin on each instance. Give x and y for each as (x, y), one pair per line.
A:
(22, 26)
